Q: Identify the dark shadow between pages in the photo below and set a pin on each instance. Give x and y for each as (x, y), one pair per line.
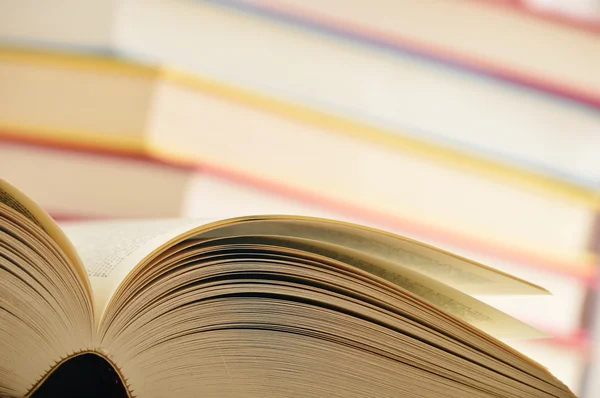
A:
(83, 375)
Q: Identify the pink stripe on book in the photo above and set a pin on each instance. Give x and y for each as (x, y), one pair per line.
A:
(464, 60)
(287, 190)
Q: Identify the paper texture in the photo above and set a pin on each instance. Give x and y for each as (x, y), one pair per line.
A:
(111, 249)
(454, 302)
(462, 274)
(17, 200)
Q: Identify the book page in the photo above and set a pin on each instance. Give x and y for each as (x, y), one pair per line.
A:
(462, 274)
(111, 249)
(19, 201)
(452, 301)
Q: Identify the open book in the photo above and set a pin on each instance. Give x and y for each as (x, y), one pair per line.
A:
(280, 306)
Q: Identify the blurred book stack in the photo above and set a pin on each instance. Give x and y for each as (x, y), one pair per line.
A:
(467, 124)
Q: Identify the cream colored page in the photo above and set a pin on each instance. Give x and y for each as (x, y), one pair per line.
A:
(110, 250)
(19, 201)
(461, 274)
(470, 310)
(453, 301)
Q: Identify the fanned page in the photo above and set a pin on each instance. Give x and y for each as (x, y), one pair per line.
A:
(465, 275)
(19, 201)
(46, 311)
(112, 249)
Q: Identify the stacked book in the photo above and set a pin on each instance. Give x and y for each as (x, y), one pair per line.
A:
(450, 132)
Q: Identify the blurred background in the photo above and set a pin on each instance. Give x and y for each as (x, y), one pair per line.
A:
(472, 125)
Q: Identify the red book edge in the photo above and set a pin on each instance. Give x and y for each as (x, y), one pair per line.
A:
(463, 60)
(285, 190)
